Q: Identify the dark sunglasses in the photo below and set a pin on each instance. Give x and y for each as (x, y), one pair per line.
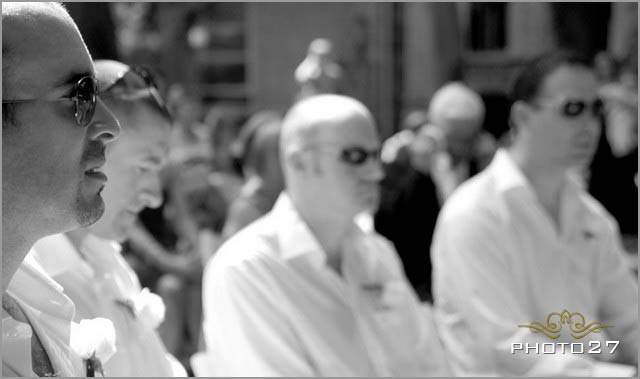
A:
(351, 155)
(573, 108)
(357, 155)
(354, 155)
(83, 95)
(135, 83)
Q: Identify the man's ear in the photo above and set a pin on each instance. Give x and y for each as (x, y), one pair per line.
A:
(519, 115)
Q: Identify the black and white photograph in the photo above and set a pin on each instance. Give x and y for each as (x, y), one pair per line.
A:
(301, 189)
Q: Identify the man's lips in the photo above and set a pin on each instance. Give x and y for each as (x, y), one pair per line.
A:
(94, 158)
(94, 171)
(94, 174)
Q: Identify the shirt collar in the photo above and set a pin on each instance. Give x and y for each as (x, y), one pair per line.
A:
(509, 178)
(101, 255)
(32, 286)
(294, 236)
(56, 254)
(508, 174)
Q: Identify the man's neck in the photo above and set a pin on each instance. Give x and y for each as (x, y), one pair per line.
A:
(15, 246)
(330, 231)
(547, 182)
(76, 236)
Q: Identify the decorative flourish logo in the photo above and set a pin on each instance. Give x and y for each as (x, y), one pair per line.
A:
(553, 325)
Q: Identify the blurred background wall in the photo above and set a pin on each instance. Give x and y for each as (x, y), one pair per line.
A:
(395, 55)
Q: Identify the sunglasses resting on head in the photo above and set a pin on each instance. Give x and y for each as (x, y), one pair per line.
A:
(133, 83)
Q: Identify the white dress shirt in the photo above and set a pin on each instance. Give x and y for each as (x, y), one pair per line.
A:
(273, 307)
(101, 284)
(50, 314)
(499, 262)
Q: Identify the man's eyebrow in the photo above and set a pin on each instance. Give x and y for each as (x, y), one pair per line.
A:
(72, 78)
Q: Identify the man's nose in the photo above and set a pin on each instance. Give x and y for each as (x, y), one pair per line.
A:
(373, 170)
(593, 123)
(104, 126)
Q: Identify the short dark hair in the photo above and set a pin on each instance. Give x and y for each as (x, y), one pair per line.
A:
(527, 84)
(258, 139)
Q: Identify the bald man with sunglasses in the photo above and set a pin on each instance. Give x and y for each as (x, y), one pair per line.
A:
(305, 290)
(54, 131)
(523, 243)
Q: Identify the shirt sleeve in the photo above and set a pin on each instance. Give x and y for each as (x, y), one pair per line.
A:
(618, 296)
(246, 333)
(479, 304)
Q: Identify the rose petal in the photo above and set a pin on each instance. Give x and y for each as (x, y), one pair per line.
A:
(94, 336)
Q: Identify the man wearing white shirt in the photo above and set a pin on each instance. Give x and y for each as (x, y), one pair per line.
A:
(304, 290)
(87, 261)
(54, 131)
(523, 240)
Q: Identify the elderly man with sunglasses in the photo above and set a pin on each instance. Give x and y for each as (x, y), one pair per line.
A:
(87, 261)
(529, 274)
(304, 290)
(54, 132)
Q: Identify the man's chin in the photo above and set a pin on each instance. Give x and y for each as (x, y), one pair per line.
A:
(89, 211)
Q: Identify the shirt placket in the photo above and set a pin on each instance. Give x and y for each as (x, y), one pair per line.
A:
(349, 297)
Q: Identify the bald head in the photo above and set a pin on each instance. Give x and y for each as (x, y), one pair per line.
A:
(455, 103)
(309, 120)
(330, 147)
(22, 23)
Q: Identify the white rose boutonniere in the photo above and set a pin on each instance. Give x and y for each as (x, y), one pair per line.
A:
(149, 307)
(94, 340)
(146, 306)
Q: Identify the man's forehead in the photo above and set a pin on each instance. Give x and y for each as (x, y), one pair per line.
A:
(355, 129)
(569, 80)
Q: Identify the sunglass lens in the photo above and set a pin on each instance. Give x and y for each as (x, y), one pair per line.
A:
(85, 101)
(574, 108)
(354, 155)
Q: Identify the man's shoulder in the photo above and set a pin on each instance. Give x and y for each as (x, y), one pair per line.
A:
(477, 196)
(597, 213)
(257, 242)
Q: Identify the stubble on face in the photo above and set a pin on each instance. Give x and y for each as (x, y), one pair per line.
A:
(88, 211)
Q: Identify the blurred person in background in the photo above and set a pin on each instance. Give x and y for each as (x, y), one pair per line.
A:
(224, 122)
(617, 188)
(169, 245)
(424, 163)
(189, 137)
(54, 133)
(257, 152)
(305, 291)
(458, 113)
(523, 239)
(318, 73)
(87, 262)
